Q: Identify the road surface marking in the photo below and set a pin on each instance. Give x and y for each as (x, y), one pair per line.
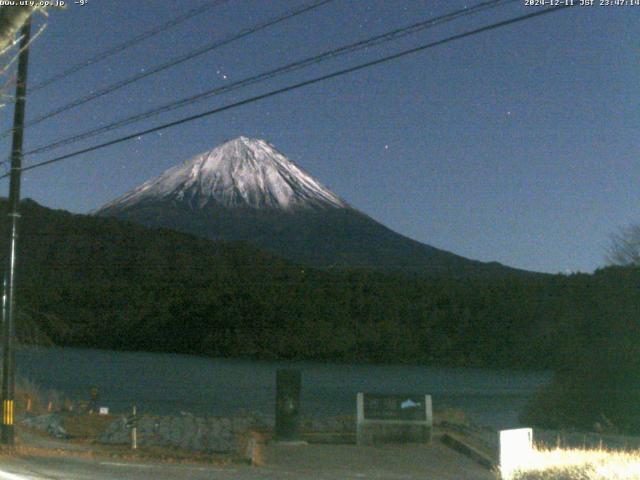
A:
(143, 465)
(12, 476)
(138, 465)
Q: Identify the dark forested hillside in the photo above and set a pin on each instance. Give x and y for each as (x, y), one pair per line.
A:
(339, 238)
(100, 282)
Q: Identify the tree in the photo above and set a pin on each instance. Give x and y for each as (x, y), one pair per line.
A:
(624, 249)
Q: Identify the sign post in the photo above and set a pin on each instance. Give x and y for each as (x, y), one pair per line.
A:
(134, 430)
(131, 422)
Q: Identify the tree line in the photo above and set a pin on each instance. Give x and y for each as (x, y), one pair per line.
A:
(99, 282)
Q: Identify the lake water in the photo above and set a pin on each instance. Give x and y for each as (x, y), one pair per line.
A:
(168, 383)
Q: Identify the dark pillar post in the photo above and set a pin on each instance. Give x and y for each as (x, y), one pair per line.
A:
(288, 404)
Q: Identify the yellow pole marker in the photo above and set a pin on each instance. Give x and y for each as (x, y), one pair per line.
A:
(7, 412)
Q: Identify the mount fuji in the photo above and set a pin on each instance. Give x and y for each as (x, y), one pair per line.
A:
(246, 190)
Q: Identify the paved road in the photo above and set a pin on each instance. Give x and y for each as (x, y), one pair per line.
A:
(318, 462)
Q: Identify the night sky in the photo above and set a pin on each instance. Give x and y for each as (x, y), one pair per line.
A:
(518, 145)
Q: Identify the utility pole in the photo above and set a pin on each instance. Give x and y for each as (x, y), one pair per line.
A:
(7, 434)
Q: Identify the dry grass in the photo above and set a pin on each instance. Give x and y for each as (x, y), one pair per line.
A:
(450, 415)
(567, 464)
(250, 448)
(32, 398)
(86, 425)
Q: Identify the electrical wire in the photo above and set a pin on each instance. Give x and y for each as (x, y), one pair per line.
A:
(309, 61)
(299, 85)
(172, 63)
(104, 54)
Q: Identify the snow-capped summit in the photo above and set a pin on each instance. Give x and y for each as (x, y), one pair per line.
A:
(243, 172)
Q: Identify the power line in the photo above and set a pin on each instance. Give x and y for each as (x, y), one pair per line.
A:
(127, 44)
(176, 61)
(296, 86)
(326, 55)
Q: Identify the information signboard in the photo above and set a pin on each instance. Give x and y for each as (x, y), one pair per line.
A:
(394, 407)
(394, 418)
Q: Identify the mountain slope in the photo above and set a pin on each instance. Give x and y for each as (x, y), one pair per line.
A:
(246, 190)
